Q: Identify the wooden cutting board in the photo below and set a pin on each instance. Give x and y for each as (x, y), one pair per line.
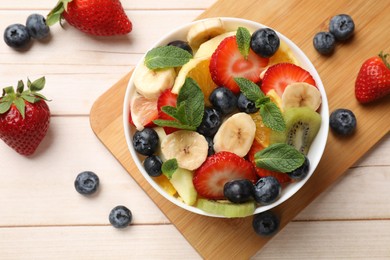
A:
(298, 20)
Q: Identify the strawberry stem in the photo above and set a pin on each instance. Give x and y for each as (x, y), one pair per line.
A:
(384, 59)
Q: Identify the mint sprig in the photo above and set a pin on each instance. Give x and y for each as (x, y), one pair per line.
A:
(189, 109)
(269, 111)
(279, 157)
(166, 57)
(169, 167)
(243, 38)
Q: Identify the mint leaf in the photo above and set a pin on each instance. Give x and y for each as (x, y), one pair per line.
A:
(272, 117)
(169, 167)
(249, 89)
(279, 157)
(262, 101)
(166, 57)
(193, 97)
(243, 38)
(174, 124)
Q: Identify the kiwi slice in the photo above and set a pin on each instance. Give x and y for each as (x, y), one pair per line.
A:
(226, 208)
(302, 126)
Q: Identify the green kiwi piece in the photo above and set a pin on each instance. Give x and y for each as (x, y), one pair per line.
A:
(226, 208)
(302, 126)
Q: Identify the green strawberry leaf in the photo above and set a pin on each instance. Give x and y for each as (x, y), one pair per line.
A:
(37, 85)
(20, 105)
(20, 87)
(169, 167)
(166, 57)
(5, 106)
(243, 38)
(272, 117)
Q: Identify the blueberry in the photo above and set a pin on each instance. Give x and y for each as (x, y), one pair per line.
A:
(152, 165)
(210, 142)
(324, 42)
(265, 223)
(16, 36)
(342, 27)
(145, 141)
(267, 190)
(301, 172)
(223, 100)
(342, 121)
(265, 42)
(212, 120)
(238, 191)
(181, 44)
(37, 27)
(246, 105)
(120, 217)
(86, 183)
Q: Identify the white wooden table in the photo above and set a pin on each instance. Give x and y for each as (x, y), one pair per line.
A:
(43, 217)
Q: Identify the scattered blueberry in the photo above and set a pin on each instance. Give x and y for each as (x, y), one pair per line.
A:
(120, 217)
(342, 121)
(267, 190)
(86, 183)
(145, 142)
(212, 120)
(224, 100)
(181, 44)
(265, 42)
(324, 43)
(265, 223)
(301, 172)
(238, 191)
(16, 36)
(210, 142)
(37, 27)
(342, 27)
(246, 105)
(152, 165)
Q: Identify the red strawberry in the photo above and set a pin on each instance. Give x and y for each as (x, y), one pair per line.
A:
(218, 169)
(281, 177)
(95, 17)
(373, 80)
(227, 63)
(166, 98)
(24, 117)
(280, 75)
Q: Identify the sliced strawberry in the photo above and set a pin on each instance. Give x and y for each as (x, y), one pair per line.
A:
(280, 75)
(218, 169)
(227, 63)
(166, 98)
(281, 177)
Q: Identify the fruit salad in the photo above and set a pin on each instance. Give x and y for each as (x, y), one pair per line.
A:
(223, 119)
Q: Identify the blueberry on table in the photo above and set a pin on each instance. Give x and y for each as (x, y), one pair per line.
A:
(267, 190)
(86, 183)
(145, 141)
(223, 100)
(246, 105)
(152, 165)
(37, 27)
(342, 27)
(301, 172)
(324, 42)
(265, 42)
(120, 217)
(342, 121)
(239, 191)
(211, 121)
(16, 36)
(265, 223)
(181, 44)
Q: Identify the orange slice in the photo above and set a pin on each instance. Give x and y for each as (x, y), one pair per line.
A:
(283, 54)
(262, 133)
(142, 111)
(165, 184)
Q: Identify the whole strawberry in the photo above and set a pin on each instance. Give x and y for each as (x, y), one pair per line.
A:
(95, 17)
(24, 116)
(373, 80)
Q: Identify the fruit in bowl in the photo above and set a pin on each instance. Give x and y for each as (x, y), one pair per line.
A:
(226, 117)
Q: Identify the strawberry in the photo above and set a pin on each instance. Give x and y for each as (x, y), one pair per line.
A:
(166, 98)
(218, 169)
(283, 178)
(373, 80)
(280, 75)
(95, 17)
(228, 63)
(24, 117)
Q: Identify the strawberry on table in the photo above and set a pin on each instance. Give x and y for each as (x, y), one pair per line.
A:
(24, 117)
(95, 17)
(280, 75)
(373, 80)
(218, 169)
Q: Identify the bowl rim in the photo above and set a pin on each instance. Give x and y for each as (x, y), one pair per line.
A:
(319, 142)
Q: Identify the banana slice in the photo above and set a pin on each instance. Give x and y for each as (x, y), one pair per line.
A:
(301, 94)
(204, 31)
(188, 147)
(150, 83)
(235, 135)
(207, 48)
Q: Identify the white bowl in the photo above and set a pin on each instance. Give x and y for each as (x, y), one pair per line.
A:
(316, 149)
